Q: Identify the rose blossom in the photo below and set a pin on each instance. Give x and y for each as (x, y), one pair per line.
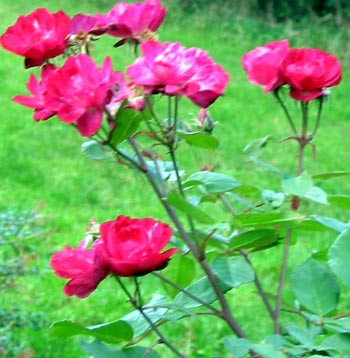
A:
(79, 91)
(132, 247)
(172, 69)
(262, 64)
(39, 36)
(38, 89)
(81, 267)
(309, 71)
(135, 21)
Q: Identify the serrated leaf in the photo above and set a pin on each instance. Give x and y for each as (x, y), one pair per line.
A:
(299, 185)
(339, 257)
(233, 272)
(199, 139)
(268, 220)
(126, 124)
(330, 223)
(253, 239)
(94, 150)
(315, 287)
(155, 310)
(214, 183)
(256, 147)
(112, 332)
(331, 175)
(179, 203)
(202, 289)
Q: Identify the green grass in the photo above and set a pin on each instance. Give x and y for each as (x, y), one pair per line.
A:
(42, 168)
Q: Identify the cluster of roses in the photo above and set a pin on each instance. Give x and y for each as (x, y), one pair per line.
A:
(307, 72)
(79, 92)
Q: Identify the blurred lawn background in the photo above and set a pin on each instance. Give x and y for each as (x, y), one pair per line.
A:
(42, 168)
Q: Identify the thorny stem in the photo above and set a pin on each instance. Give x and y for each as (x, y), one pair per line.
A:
(139, 307)
(303, 140)
(226, 312)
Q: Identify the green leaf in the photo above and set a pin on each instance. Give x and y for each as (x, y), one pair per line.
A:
(181, 271)
(127, 122)
(304, 335)
(339, 257)
(239, 347)
(199, 139)
(214, 183)
(317, 195)
(340, 325)
(268, 220)
(299, 185)
(331, 175)
(94, 150)
(339, 343)
(330, 223)
(175, 200)
(267, 351)
(315, 287)
(256, 147)
(341, 201)
(233, 272)
(253, 239)
(112, 332)
(272, 198)
(201, 289)
(155, 310)
(97, 349)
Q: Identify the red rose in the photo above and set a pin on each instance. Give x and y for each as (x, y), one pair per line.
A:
(262, 64)
(81, 267)
(38, 36)
(309, 71)
(132, 247)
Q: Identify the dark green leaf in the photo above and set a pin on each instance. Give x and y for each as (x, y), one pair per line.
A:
(199, 139)
(339, 257)
(214, 183)
(299, 185)
(233, 272)
(331, 175)
(179, 203)
(113, 332)
(126, 124)
(253, 239)
(315, 287)
(268, 220)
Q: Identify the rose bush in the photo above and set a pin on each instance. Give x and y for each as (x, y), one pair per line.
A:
(213, 249)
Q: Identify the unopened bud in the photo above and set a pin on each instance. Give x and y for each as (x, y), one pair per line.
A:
(205, 122)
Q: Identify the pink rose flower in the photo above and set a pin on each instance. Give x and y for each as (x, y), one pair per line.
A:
(81, 267)
(38, 36)
(79, 91)
(84, 24)
(172, 69)
(135, 21)
(38, 89)
(309, 71)
(132, 247)
(262, 64)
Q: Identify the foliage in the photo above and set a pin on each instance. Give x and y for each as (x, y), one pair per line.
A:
(259, 228)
